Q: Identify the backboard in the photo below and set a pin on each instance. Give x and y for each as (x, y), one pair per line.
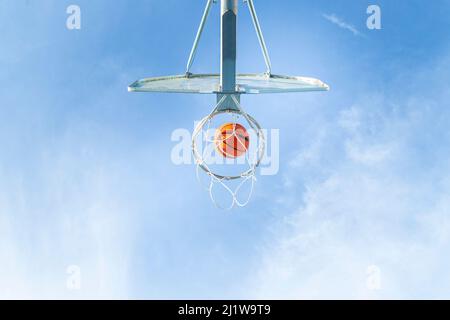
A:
(245, 84)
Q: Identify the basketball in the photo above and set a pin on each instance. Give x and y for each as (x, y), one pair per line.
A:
(232, 140)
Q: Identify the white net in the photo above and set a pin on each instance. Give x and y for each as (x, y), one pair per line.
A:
(227, 162)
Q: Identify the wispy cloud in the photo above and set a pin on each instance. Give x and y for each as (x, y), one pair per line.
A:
(342, 24)
(378, 202)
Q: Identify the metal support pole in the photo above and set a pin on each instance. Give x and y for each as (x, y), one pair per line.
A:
(262, 43)
(229, 9)
(199, 35)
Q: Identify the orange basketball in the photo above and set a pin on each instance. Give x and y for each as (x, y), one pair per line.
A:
(232, 140)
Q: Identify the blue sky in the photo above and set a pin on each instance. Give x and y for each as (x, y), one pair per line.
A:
(86, 177)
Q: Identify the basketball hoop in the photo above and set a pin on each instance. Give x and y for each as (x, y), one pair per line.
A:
(229, 86)
(252, 162)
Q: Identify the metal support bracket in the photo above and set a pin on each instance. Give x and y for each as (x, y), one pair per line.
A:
(228, 60)
(260, 35)
(199, 36)
(225, 102)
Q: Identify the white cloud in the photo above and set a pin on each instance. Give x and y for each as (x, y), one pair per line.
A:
(382, 200)
(75, 219)
(67, 205)
(342, 24)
